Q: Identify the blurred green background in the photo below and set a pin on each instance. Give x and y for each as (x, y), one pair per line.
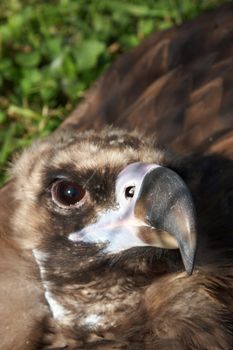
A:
(51, 51)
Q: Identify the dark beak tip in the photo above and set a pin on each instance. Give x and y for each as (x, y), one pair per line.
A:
(188, 260)
(189, 268)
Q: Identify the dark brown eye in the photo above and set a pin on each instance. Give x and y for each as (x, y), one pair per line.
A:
(129, 191)
(67, 193)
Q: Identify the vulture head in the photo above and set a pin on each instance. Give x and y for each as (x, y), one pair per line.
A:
(104, 215)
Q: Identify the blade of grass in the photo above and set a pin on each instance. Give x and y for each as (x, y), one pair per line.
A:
(8, 143)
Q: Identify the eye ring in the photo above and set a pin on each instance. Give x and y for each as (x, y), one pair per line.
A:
(67, 194)
(129, 192)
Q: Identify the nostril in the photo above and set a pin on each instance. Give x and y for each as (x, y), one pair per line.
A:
(129, 191)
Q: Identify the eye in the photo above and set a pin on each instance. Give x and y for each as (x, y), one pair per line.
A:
(129, 191)
(67, 193)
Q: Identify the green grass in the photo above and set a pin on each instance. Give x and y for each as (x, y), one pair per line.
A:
(51, 51)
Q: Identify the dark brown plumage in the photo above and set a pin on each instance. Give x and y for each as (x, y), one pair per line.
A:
(140, 298)
(177, 84)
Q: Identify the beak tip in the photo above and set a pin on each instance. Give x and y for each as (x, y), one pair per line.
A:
(189, 269)
(188, 260)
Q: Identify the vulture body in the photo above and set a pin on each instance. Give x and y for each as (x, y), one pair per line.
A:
(65, 282)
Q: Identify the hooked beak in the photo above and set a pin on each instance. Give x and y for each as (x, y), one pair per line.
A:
(159, 213)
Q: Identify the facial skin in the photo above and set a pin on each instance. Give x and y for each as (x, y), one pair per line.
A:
(94, 267)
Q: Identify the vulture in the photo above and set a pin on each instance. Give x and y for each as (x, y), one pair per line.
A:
(117, 230)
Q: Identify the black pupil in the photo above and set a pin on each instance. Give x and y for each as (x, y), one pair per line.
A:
(71, 192)
(68, 193)
(129, 192)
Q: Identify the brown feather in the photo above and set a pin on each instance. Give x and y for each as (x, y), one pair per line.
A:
(177, 84)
